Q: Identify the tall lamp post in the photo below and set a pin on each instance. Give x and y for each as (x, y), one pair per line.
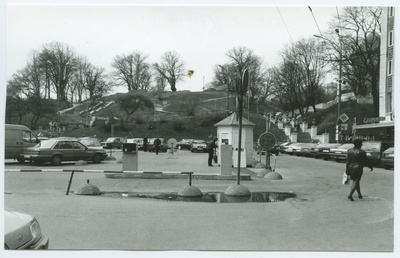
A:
(339, 88)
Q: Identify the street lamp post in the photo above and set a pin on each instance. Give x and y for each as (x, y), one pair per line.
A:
(339, 88)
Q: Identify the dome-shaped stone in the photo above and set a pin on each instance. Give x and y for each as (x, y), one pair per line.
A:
(273, 176)
(190, 191)
(87, 189)
(237, 190)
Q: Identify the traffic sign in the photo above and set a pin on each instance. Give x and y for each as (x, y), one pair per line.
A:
(267, 140)
(344, 118)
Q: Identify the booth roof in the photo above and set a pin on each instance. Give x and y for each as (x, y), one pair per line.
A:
(233, 120)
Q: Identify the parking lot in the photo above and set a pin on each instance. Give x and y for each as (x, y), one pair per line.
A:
(297, 224)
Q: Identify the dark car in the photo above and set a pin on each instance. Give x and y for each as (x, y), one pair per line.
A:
(151, 147)
(184, 144)
(374, 150)
(387, 158)
(57, 150)
(22, 232)
(322, 150)
(340, 153)
(113, 142)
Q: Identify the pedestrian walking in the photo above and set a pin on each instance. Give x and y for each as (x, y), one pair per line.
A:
(145, 142)
(211, 146)
(356, 161)
(157, 143)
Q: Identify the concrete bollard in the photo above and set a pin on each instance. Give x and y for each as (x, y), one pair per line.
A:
(87, 189)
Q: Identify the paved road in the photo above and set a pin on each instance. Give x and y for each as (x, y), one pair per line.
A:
(320, 218)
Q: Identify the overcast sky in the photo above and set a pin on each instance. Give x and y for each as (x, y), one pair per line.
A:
(201, 35)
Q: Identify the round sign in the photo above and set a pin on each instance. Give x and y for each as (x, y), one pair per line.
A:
(172, 142)
(267, 140)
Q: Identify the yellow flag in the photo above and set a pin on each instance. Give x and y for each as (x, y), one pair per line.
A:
(190, 73)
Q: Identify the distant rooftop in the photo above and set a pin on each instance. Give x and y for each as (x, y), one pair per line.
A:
(234, 120)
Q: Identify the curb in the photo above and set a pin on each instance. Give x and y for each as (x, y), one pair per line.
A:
(141, 174)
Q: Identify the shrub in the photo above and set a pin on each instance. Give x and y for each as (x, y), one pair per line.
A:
(178, 125)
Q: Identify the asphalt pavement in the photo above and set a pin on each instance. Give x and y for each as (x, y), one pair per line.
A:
(319, 218)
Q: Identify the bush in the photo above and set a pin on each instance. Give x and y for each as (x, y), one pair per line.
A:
(178, 125)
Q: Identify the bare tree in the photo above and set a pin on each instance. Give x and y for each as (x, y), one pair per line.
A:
(171, 68)
(358, 31)
(60, 62)
(132, 71)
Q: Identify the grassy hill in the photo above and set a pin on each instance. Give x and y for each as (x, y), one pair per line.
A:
(193, 115)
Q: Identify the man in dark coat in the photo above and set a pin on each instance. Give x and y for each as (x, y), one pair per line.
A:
(145, 142)
(211, 146)
(157, 143)
(356, 161)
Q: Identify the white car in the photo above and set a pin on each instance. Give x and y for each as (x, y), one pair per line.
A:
(22, 231)
(198, 146)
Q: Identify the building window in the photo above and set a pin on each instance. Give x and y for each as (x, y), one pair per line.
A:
(389, 102)
(390, 67)
(391, 11)
(390, 38)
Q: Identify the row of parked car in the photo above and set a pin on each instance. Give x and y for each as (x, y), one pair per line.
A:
(193, 145)
(376, 151)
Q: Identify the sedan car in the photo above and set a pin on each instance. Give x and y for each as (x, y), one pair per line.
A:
(113, 142)
(293, 148)
(387, 159)
(340, 153)
(198, 146)
(305, 150)
(322, 150)
(184, 144)
(57, 150)
(22, 231)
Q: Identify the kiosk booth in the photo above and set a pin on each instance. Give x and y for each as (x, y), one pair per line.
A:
(228, 134)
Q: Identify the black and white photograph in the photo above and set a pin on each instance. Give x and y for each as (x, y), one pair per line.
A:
(198, 128)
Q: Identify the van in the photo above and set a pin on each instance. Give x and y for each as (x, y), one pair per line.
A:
(18, 137)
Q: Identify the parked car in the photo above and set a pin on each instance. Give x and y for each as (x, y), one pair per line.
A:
(387, 159)
(113, 142)
(22, 231)
(282, 146)
(322, 150)
(340, 153)
(91, 142)
(293, 148)
(305, 150)
(198, 146)
(151, 147)
(374, 150)
(57, 150)
(184, 144)
(285, 147)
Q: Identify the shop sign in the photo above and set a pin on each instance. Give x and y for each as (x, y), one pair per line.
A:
(373, 120)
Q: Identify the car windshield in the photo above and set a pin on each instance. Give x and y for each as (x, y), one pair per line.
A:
(110, 140)
(46, 144)
(346, 146)
(371, 146)
(91, 142)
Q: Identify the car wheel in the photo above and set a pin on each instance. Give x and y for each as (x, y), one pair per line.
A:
(97, 158)
(21, 160)
(56, 160)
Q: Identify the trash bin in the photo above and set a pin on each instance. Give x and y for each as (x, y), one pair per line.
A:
(129, 157)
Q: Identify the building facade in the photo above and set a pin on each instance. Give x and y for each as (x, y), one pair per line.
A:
(382, 128)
